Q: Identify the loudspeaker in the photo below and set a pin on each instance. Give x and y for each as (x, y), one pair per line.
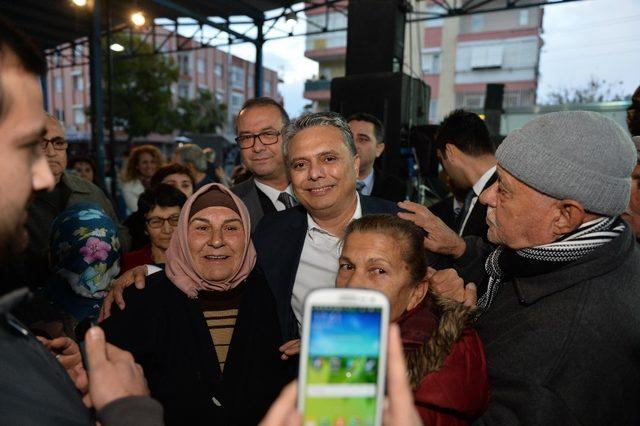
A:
(493, 107)
(375, 36)
(398, 100)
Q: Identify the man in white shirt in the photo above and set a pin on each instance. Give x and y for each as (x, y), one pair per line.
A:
(298, 251)
(258, 126)
(465, 149)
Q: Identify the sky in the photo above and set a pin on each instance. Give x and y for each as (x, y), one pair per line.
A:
(599, 38)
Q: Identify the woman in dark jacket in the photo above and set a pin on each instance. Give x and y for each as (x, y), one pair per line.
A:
(446, 359)
(180, 326)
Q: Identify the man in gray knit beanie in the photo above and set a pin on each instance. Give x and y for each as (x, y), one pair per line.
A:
(632, 215)
(558, 306)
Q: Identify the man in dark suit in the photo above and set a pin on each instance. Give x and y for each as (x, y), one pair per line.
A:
(466, 152)
(259, 125)
(298, 251)
(368, 134)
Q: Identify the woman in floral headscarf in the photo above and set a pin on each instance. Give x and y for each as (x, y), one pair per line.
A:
(84, 255)
(179, 328)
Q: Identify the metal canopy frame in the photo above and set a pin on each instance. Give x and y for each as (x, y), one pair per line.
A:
(56, 25)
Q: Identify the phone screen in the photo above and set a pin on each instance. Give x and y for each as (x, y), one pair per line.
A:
(342, 366)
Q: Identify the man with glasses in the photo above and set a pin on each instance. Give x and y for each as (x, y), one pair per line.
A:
(32, 267)
(258, 127)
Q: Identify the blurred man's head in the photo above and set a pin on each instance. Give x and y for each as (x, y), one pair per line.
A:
(323, 163)
(559, 171)
(258, 127)
(633, 114)
(23, 168)
(368, 134)
(191, 156)
(54, 146)
(462, 138)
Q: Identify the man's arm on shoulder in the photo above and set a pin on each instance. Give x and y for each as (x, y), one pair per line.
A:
(470, 266)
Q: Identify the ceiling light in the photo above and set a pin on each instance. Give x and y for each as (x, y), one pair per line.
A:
(138, 19)
(81, 3)
(117, 47)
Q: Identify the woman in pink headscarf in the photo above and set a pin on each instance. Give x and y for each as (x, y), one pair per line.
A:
(180, 327)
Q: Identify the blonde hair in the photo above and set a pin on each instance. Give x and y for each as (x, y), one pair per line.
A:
(131, 172)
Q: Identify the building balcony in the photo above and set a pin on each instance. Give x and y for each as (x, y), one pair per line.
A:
(317, 90)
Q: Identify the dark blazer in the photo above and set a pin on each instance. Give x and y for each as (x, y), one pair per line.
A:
(255, 374)
(388, 187)
(168, 336)
(253, 198)
(477, 223)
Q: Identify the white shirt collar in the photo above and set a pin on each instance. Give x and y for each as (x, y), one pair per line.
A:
(479, 185)
(312, 225)
(273, 194)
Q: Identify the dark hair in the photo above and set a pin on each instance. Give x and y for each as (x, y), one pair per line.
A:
(410, 237)
(378, 128)
(29, 56)
(161, 195)
(466, 131)
(84, 159)
(170, 169)
(264, 101)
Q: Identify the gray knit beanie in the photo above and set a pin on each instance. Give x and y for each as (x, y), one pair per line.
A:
(578, 155)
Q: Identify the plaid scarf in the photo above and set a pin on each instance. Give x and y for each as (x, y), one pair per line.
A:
(504, 263)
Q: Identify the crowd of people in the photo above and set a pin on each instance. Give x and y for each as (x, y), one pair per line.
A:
(514, 300)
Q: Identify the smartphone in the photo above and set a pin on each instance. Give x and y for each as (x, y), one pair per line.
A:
(343, 357)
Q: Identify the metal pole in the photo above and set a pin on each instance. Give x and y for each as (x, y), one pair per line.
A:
(45, 91)
(259, 72)
(112, 143)
(97, 107)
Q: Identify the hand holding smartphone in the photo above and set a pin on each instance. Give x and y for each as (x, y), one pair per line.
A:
(343, 358)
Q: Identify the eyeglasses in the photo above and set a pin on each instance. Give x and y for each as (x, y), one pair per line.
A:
(158, 222)
(58, 143)
(268, 137)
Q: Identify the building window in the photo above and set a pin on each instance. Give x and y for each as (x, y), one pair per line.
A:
(267, 87)
(217, 70)
(57, 83)
(60, 114)
(477, 23)
(523, 17)
(200, 65)
(431, 63)
(220, 96)
(183, 91)
(486, 57)
(78, 83)
(237, 77)
(433, 110)
(183, 63)
(78, 51)
(237, 99)
(78, 114)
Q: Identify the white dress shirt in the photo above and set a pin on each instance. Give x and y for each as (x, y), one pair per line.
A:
(368, 184)
(318, 266)
(273, 194)
(477, 189)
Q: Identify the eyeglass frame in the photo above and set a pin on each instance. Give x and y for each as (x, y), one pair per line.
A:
(255, 136)
(44, 142)
(163, 219)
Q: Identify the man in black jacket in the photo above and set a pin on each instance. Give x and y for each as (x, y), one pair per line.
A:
(368, 134)
(466, 152)
(559, 296)
(34, 387)
(298, 251)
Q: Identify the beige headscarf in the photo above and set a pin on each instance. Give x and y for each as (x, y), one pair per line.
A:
(180, 267)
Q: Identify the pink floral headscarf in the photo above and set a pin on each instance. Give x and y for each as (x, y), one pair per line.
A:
(180, 267)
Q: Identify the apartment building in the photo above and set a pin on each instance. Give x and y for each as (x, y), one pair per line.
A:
(459, 56)
(229, 77)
